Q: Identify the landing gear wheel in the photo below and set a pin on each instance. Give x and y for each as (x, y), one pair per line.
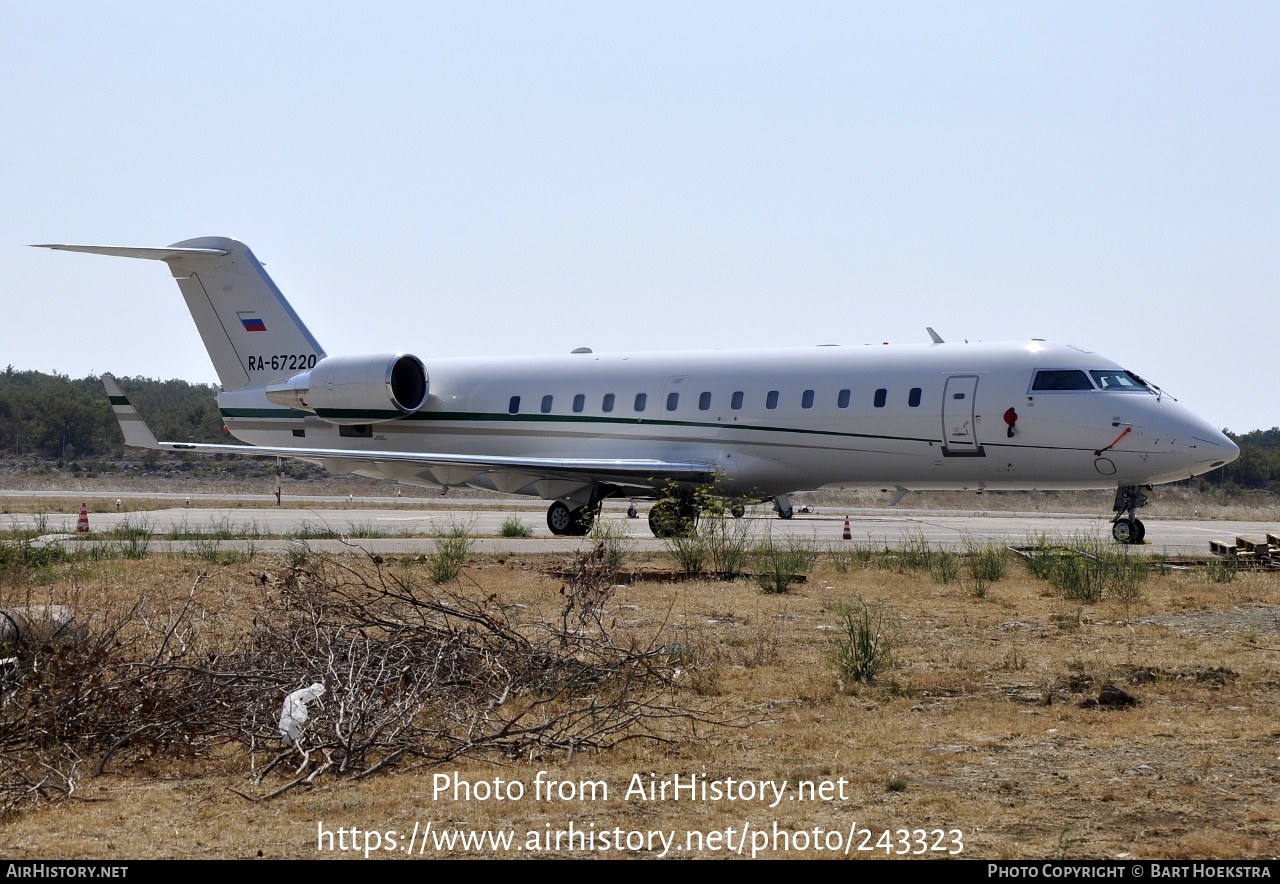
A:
(565, 522)
(560, 519)
(671, 518)
(787, 513)
(1130, 531)
(1138, 532)
(737, 510)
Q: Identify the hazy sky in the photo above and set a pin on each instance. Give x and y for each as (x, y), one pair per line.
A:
(500, 178)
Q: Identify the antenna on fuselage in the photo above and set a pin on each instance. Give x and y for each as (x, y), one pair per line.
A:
(937, 339)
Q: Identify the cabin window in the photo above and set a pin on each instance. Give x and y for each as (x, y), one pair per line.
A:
(704, 402)
(673, 399)
(842, 401)
(641, 400)
(771, 401)
(514, 406)
(806, 399)
(546, 404)
(607, 405)
(1120, 381)
(1058, 381)
(300, 433)
(359, 431)
(736, 401)
(579, 403)
(913, 398)
(882, 396)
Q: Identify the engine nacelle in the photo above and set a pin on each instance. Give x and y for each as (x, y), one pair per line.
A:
(357, 389)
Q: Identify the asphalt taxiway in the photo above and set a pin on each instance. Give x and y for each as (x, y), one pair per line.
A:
(409, 530)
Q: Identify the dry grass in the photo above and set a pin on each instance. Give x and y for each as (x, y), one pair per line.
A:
(978, 727)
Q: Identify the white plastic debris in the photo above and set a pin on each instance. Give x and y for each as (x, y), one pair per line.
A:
(294, 714)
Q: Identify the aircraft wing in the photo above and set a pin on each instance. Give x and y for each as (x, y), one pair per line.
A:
(510, 473)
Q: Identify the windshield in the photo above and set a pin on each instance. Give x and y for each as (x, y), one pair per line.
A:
(1058, 380)
(1119, 381)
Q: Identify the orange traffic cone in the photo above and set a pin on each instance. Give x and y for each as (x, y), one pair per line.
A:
(82, 523)
(848, 535)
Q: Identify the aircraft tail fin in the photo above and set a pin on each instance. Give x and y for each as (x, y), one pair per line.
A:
(136, 433)
(252, 334)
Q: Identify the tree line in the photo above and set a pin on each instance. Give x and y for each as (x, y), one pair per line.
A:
(1257, 468)
(55, 417)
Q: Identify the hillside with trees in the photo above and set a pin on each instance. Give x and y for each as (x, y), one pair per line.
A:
(53, 417)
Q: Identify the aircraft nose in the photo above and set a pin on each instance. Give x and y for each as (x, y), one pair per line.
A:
(1214, 444)
(1232, 450)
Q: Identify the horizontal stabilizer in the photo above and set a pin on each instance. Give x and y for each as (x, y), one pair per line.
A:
(168, 253)
(136, 433)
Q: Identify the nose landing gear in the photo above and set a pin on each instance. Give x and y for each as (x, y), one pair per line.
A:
(1125, 526)
(1128, 530)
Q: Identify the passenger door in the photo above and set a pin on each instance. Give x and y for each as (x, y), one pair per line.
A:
(959, 430)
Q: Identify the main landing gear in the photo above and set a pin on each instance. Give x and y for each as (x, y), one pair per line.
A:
(782, 506)
(673, 517)
(1125, 526)
(565, 522)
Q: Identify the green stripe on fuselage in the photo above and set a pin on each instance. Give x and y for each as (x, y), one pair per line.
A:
(488, 417)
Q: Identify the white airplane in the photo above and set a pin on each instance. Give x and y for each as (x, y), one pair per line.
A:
(579, 428)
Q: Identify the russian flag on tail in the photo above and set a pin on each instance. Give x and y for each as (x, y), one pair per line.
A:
(251, 321)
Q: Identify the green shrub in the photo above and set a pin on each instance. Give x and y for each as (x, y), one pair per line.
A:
(513, 527)
(689, 549)
(1086, 569)
(614, 543)
(209, 549)
(987, 562)
(453, 545)
(1221, 570)
(726, 541)
(945, 566)
(917, 553)
(299, 553)
(865, 639)
(778, 562)
(133, 538)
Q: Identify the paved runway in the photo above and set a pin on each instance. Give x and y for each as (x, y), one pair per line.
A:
(409, 530)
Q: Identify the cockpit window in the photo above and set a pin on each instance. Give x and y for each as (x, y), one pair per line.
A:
(1121, 381)
(1058, 380)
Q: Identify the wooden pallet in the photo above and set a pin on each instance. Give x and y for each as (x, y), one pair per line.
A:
(1250, 550)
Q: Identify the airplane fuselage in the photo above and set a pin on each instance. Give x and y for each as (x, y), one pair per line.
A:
(776, 421)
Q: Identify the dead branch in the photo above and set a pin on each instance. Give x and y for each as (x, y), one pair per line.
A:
(411, 669)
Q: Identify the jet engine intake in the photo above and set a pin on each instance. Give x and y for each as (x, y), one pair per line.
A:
(357, 389)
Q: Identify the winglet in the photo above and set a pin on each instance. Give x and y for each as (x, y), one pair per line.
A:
(937, 338)
(136, 433)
